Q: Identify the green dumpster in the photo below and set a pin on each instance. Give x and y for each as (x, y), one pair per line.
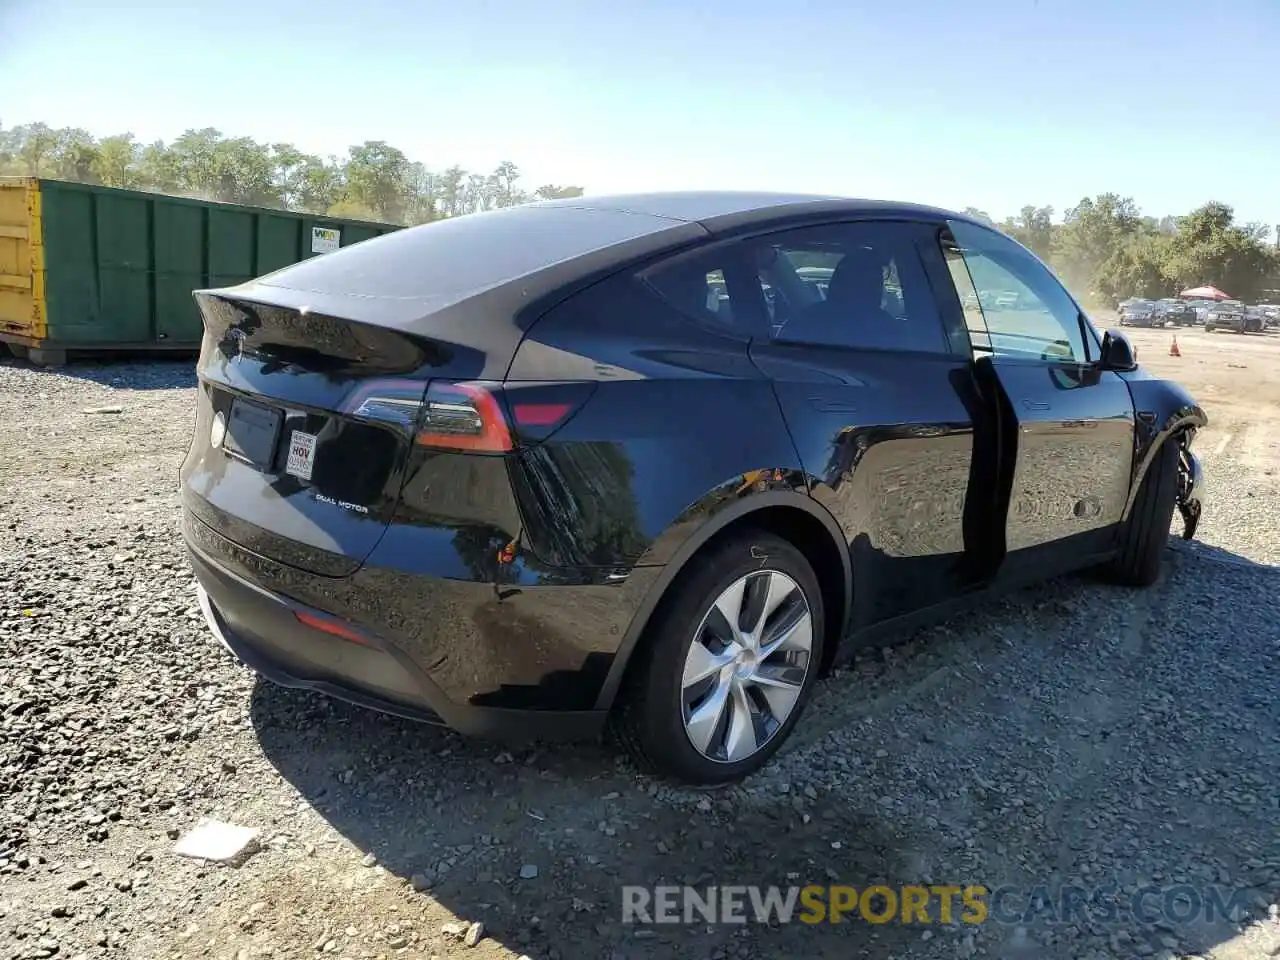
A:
(86, 268)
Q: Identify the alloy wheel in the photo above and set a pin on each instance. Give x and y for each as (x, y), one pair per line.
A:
(746, 666)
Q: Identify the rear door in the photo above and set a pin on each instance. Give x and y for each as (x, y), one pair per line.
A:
(1069, 426)
(880, 400)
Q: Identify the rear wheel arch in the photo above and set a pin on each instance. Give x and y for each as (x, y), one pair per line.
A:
(794, 517)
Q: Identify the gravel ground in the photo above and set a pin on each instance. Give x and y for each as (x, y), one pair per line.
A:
(1072, 734)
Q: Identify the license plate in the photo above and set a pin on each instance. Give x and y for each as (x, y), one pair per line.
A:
(252, 432)
(302, 455)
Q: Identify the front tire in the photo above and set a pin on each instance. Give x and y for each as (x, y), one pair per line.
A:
(1146, 533)
(727, 664)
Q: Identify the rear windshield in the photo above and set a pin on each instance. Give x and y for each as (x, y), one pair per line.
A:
(452, 259)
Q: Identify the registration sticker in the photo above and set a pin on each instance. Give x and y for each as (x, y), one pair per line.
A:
(302, 455)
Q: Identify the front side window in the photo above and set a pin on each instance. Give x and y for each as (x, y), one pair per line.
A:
(857, 285)
(1013, 306)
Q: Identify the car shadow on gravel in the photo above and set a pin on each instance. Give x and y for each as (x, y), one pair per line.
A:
(539, 843)
(1207, 552)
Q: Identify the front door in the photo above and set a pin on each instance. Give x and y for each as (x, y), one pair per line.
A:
(1069, 425)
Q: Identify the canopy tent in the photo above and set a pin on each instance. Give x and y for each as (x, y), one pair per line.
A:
(1205, 293)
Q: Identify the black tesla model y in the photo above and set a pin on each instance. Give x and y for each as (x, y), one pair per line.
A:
(653, 463)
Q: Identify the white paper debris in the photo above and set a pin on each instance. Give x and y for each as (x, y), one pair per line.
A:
(217, 841)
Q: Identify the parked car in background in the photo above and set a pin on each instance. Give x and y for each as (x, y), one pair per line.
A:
(1139, 313)
(1258, 317)
(1230, 315)
(1202, 308)
(1177, 311)
(544, 469)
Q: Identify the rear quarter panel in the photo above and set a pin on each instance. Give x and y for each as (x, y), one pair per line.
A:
(681, 422)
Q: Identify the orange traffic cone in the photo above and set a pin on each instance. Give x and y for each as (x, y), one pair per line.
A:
(1173, 347)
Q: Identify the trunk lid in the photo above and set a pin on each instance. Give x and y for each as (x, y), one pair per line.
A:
(303, 429)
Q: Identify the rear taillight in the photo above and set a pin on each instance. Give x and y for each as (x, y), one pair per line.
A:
(464, 416)
(540, 414)
(540, 409)
(394, 403)
(476, 416)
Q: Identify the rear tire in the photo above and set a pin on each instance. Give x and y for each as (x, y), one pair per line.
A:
(1146, 532)
(716, 713)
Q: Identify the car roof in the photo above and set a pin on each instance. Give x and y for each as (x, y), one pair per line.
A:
(421, 270)
(720, 209)
(446, 277)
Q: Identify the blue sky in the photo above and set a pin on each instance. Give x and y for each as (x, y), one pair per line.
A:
(989, 103)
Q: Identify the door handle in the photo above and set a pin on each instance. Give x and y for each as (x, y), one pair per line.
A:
(1035, 404)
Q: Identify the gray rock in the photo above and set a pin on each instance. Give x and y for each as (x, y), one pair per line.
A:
(422, 881)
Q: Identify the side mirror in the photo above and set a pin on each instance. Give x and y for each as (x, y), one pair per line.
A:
(1117, 352)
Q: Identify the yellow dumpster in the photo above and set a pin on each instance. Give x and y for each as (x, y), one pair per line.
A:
(22, 318)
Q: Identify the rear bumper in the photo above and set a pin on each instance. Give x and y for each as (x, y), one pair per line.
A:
(262, 629)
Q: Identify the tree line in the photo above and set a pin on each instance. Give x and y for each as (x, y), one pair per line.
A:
(374, 181)
(1103, 247)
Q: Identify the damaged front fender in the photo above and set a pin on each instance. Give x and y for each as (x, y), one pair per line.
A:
(1165, 413)
(1190, 487)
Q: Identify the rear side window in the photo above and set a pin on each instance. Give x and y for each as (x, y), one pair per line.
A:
(859, 285)
(696, 286)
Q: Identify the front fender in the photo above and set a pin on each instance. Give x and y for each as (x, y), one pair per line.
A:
(734, 500)
(1162, 410)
